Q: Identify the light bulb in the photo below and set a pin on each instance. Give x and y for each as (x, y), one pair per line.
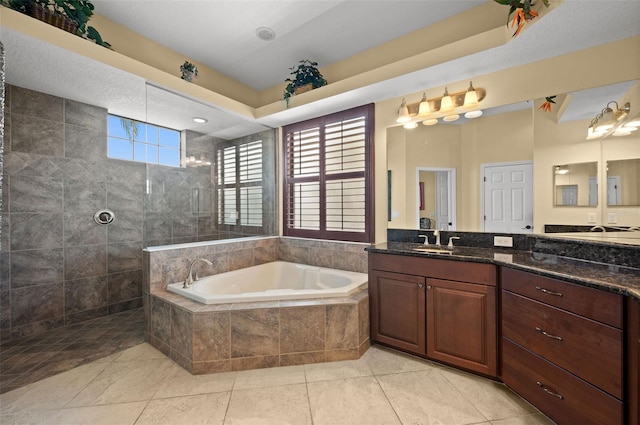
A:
(424, 108)
(470, 97)
(446, 103)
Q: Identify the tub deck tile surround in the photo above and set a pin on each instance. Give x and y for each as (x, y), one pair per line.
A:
(223, 337)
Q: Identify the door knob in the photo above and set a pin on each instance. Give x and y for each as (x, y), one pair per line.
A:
(528, 227)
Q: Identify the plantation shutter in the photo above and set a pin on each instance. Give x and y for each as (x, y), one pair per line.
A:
(327, 191)
(240, 184)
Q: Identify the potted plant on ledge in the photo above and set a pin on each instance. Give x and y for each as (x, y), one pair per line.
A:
(189, 71)
(304, 77)
(522, 13)
(69, 15)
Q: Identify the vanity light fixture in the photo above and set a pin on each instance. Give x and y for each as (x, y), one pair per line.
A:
(473, 114)
(470, 97)
(424, 109)
(410, 125)
(199, 120)
(403, 112)
(611, 121)
(446, 103)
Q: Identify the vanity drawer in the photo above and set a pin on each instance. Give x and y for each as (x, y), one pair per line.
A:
(591, 350)
(482, 273)
(562, 396)
(595, 304)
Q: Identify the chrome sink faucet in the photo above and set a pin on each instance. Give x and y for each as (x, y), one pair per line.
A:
(436, 233)
(190, 279)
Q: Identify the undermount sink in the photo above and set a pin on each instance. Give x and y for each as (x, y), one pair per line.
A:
(433, 251)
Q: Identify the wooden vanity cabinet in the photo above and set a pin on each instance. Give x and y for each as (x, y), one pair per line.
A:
(397, 310)
(444, 310)
(562, 348)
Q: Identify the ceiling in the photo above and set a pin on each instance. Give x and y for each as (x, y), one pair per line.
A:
(221, 35)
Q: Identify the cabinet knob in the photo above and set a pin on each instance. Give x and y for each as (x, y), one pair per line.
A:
(420, 285)
(428, 286)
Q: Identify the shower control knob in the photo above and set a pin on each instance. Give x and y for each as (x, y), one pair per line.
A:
(104, 217)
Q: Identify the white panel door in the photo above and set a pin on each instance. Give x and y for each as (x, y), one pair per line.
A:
(508, 198)
(442, 200)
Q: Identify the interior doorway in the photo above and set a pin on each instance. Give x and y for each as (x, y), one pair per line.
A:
(507, 197)
(436, 198)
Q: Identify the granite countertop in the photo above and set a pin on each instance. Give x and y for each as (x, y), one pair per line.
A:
(609, 277)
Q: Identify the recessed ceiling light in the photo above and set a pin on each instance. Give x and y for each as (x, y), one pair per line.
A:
(199, 120)
(265, 33)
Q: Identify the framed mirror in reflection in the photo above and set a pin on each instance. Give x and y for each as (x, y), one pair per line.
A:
(622, 182)
(576, 185)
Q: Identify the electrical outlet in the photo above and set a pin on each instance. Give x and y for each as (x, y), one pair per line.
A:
(503, 241)
(591, 218)
(612, 218)
(507, 258)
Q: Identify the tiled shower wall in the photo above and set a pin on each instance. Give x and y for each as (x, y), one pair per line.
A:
(56, 265)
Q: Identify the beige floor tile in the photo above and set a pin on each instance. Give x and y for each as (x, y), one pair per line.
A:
(492, 399)
(428, 398)
(383, 361)
(179, 382)
(139, 352)
(337, 370)
(203, 409)
(269, 377)
(282, 405)
(51, 393)
(536, 419)
(354, 401)
(123, 382)
(113, 414)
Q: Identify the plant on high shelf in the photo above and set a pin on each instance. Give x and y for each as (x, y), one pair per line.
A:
(546, 105)
(521, 10)
(189, 71)
(69, 15)
(304, 77)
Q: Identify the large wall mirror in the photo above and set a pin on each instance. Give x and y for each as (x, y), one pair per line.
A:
(576, 185)
(571, 175)
(623, 182)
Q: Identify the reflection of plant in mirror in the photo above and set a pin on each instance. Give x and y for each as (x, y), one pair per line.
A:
(521, 10)
(546, 105)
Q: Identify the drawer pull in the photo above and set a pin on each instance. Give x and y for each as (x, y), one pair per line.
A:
(548, 335)
(548, 391)
(546, 291)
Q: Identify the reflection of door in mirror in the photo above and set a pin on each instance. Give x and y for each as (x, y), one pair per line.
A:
(438, 195)
(507, 197)
(576, 184)
(622, 182)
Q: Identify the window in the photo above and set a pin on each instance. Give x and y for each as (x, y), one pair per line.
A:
(133, 140)
(328, 178)
(240, 184)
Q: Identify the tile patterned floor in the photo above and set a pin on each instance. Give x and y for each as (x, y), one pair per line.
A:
(27, 360)
(143, 387)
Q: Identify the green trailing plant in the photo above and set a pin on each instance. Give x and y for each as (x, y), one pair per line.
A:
(306, 72)
(78, 11)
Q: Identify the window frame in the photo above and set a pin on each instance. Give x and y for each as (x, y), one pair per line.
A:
(368, 235)
(145, 143)
(238, 184)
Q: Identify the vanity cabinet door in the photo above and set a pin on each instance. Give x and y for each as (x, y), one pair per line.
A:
(461, 325)
(397, 310)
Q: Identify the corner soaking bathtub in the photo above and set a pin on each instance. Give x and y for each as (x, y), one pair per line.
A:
(278, 280)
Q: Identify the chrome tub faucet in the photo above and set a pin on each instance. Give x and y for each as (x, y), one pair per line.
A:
(190, 279)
